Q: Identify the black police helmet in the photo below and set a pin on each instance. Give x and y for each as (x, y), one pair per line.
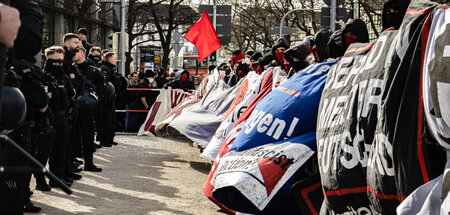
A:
(14, 108)
(110, 89)
(86, 102)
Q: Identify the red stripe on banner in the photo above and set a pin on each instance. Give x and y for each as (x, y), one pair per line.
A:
(411, 11)
(289, 91)
(141, 89)
(382, 196)
(150, 120)
(370, 46)
(305, 193)
(346, 191)
(150, 89)
(131, 111)
(420, 155)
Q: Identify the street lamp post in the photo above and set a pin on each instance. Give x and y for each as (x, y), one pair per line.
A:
(122, 38)
(299, 9)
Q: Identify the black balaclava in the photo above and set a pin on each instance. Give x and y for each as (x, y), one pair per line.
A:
(97, 59)
(333, 50)
(54, 67)
(301, 52)
(358, 27)
(394, 20)
(321, 40)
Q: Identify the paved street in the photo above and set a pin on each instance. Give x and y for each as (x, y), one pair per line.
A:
(142, 175)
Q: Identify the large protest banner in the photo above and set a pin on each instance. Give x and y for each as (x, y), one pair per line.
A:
(359, 124)
(433, 197)
(208, 82)
(265, 88)
(248, 91)
(398, 163)
(200, 120)
(166, 101)
(290, 110)
(247, 180)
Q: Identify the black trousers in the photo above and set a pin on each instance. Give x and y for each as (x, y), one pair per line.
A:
(15, 187)
(57, 161)
(86, 124)
(106, 120)
(44, 144)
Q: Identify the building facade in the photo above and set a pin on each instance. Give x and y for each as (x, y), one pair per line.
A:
(67, 16)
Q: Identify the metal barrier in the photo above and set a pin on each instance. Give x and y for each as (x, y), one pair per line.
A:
(142, 89)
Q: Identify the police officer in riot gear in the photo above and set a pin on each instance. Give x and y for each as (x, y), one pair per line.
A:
(95, 55)
(92, 88)
(71, 44)
(60, 93)
(15, 197)
(106, 116)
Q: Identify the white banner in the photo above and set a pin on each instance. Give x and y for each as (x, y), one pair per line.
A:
(246, 94)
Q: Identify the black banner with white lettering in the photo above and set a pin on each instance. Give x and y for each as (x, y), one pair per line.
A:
(368, 117)
(397, 163)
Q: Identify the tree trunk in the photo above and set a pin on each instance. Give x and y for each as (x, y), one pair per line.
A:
(165, 59)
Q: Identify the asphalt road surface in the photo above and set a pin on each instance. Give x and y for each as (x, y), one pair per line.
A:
(141, 175)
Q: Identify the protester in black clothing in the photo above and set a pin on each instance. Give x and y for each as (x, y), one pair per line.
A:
(320, 45)
(278, 49)
(265, 61)
(393, 13)
(83, 34)
(106, 116)
(241, 71)
(161, 79)
(334, 45)
(184, 82)
(145, 99)
(298, 58)
(253, 61)
(355, 31)
(131, 99)
(93, 87)
(211, 68)
(95, 56)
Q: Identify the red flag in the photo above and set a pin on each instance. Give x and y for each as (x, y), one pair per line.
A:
(204, 37)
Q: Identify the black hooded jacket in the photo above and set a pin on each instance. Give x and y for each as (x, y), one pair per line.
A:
(281, 42)
(266, 60)
(394, 19)
(333, 50)
(321, 40)
(179, 84)
(358, 27)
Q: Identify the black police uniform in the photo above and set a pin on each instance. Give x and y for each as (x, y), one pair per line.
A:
(74, 144)
(36, 98)
(92, 81)
(96, 59)
(106, 116)
(27, 44)
(62, 91)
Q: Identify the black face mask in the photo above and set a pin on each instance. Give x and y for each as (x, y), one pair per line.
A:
(96, 59)
(54, 67)
(298, 65)
(392, 20)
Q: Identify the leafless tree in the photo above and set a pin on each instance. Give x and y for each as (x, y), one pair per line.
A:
(167, 16)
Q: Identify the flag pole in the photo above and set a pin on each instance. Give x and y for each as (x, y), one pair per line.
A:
(228, 62)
